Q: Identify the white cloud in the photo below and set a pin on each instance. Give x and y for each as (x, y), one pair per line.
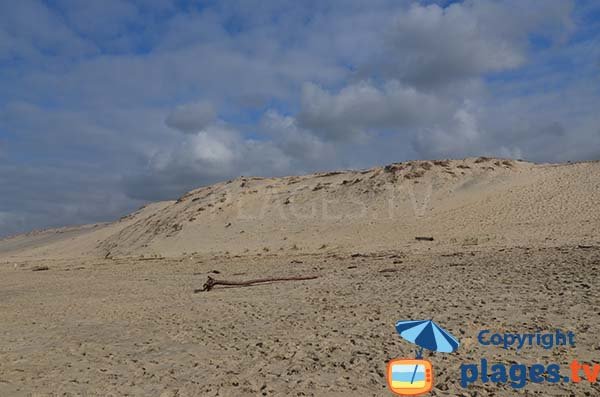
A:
(458, 136)
(211, 150)
(191, 118)
(207, 149)
(430, 46)
(361, 108)
(215, 153)
(219, 152)
(305, 150)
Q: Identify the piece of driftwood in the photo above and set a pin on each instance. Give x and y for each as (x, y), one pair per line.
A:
(39, 268)
(211, 282)
(424, 238)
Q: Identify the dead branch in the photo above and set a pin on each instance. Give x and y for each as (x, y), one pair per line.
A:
(211, 282)
(424, 238)
(151, 259)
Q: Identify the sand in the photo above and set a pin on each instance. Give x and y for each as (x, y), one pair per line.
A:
(515, 249)
(490, 202)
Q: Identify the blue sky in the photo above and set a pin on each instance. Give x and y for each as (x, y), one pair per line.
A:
(107, 105)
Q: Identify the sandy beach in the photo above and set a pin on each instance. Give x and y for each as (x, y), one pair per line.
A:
(129, 327)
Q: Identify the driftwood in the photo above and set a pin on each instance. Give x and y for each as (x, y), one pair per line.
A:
(424, 238)
(211, 282)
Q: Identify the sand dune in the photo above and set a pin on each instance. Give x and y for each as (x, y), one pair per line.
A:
(111, 310)
(475, 201)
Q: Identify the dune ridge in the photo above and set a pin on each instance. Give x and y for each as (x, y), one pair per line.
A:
(475, 201)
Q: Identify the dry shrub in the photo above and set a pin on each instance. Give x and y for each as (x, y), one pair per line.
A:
(414, 174)
(326, 174)
(482, 159)
(442, 163)
(426, 165)
(393, 167)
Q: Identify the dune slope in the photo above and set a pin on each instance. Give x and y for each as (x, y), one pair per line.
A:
(474, 202)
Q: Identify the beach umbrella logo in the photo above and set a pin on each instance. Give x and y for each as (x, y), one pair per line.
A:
(412, 377)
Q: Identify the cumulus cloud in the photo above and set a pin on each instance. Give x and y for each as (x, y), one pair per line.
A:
(430, 46)
(219, 151)
(210, 150)
(459, 136)
(215, 153)
(191, 118)
(306, 151)
(362, 107)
